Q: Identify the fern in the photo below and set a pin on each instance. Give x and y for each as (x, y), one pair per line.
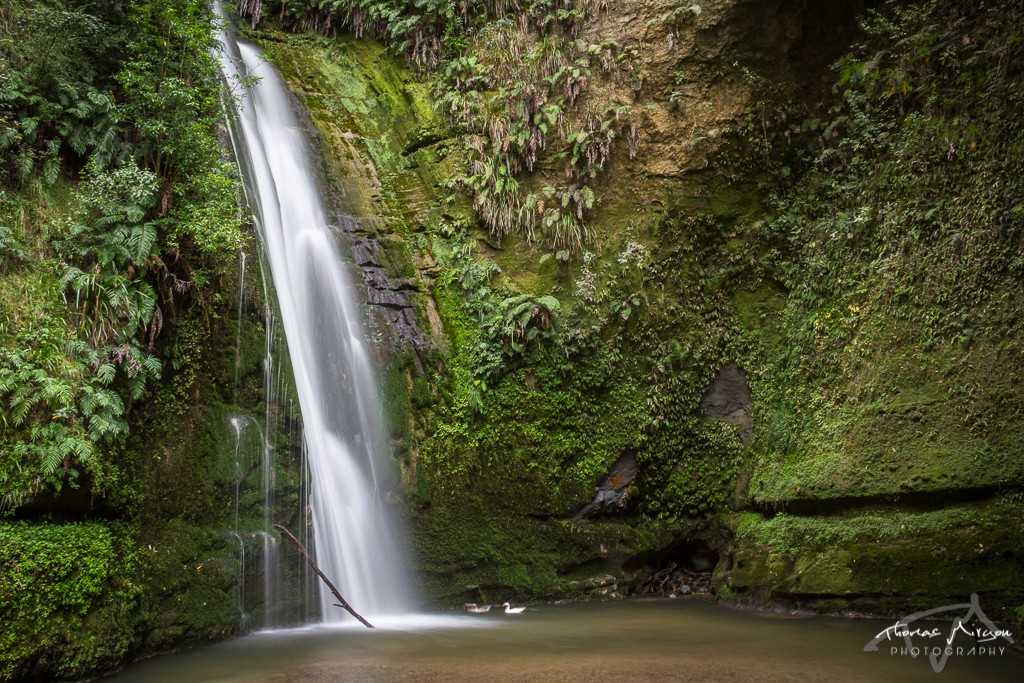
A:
(19, 409)
(11, 251)
(52, 457)
(142, 243)
(105, 374)
(56, 393)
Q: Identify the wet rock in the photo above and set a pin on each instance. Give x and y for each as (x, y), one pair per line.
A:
(364, 252)
(605, 586)
(394, 300)
(613, 489)
(388, 298)
(404, 322)
(728, 399)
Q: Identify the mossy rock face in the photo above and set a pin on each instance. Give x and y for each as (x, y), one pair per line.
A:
(734, 201)
(191, 575)
(905, 430)
(891, 557)
(383, 154)
(470, 553)
(66, 597)
(759, 309)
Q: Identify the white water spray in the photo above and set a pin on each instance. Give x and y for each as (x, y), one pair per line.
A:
(334, 374)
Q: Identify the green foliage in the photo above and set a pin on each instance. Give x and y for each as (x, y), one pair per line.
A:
(508, 99)
(455, 250)
(94, 81)
(171, 92)
(503, 328)
(67, 394)
(512, 105)
(11, 251)
(110, 255)
(189, 574)
(504, 461)
(422, 30)
(63, 411)
(631, 350)
(522, 319)
(119, 222)
(140, 82)
(898, 247)
(55, 73)
(65, 610)
(169, 82)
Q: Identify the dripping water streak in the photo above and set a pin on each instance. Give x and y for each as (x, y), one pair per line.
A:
(236, 424)
(241, 310)
(241, 580)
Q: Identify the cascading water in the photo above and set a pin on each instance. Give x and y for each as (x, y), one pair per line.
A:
(334, 373)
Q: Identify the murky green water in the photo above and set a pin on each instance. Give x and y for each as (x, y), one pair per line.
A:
(644, 640)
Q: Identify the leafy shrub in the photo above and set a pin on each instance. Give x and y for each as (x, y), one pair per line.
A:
(11, 252)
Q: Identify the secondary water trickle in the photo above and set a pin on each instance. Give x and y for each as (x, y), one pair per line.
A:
(335, 377)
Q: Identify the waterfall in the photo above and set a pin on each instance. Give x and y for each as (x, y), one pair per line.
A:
(335, 377)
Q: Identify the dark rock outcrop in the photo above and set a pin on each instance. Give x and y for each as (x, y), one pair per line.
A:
(728, 399)
(613, 490)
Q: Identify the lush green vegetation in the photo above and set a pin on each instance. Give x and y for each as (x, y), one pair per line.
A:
(883, 313)
(510, 78)
(899, 253)
(120, 233)
(60, 581)
(883, 558)
(127, 102)
(527, 410)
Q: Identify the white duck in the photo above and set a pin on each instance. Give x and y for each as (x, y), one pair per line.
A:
(509, 609)
(473, 608)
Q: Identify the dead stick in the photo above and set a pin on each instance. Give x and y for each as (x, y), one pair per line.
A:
(312, 563)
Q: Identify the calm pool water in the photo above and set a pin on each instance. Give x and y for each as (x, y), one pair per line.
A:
(637, 640)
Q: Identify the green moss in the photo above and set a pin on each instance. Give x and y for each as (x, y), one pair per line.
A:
(935, 555)
(471, 553)
(66, 598)
(904, 426)
(521, 265)
(733, 200)
(758, 309)
(190, 576)
(395, 389)
(364, 106)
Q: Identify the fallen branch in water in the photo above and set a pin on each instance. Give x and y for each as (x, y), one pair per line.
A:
(312, 563)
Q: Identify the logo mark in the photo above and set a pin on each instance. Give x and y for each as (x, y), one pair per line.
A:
(973, 624)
